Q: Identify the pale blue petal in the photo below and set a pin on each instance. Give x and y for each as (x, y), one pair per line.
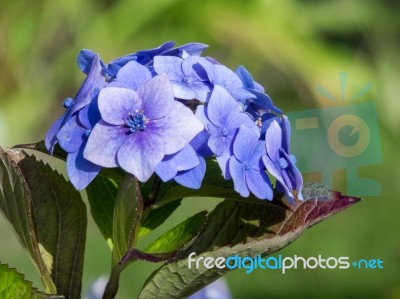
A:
(178, 128)
(171, 164)
(103, 144)
(80, 171)
(239, 93)
(273, 140)
(239, 177)
(71, 135)
(170, 65)
(133, 75)
(157, 97)
(192, 178)
(51, 137)
(285, 134)
(245, 77)
(223, 162)
(221, 106)
(183, 91)
(115, 104)
(259, 184)
(140, 154)
(239, 119)
(166, 171)
(90, 87)
(244, 141)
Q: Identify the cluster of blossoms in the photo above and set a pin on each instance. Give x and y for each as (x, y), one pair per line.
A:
(164, 111)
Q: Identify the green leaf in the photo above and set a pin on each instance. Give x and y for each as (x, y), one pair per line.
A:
(40, 146)
(178, 236)
(127, 215)
(154, 217)
(16, 206)
(101, 195)
(13, 285)
(49, 217)
(243, 229)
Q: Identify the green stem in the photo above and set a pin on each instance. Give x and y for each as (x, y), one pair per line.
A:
(113, 283)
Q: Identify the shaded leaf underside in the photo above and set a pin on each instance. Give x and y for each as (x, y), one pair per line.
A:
(49, 218)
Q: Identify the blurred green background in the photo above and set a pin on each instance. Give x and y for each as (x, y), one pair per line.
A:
(289, 46)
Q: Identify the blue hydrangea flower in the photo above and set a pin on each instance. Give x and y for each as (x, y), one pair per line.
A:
(132, 75)
(89, 90)
(219, 74)
(144, 57)
(278, 160)
(138, 129)
(261, 106)
(73, 138)
(222, 117)
(192, 178)
(246, 167)
(185, 159)
(187, 76)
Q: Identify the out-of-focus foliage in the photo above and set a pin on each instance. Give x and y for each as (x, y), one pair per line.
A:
(289, 46)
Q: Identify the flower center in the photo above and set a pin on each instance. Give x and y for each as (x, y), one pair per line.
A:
(136, 121)
(224, 132)
(246, 166)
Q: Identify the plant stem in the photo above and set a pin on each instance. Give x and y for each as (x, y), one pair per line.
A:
(113, 283)
(153, 193)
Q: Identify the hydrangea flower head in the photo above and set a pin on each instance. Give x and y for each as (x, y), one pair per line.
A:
(166, 111)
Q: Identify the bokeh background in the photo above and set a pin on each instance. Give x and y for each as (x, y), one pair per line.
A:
(289, 46)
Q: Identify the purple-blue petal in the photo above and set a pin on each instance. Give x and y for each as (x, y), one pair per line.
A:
(238, 174)
(166, 171)
(85, 59)
(259, 184)
(244, 142)
(115, 104)
(51, 137)
(199, 144)
(221, 106)
(192, 178)
(103, 144)
(178, 128)
(223, 162)
(183, 91)
(157, 97)
(71, 135)
(285, 125)
(140, 154)
(245, 77)
(133, 75)
(239, 93)
(80, 171)
(273, 140)
(170, 65)
(90, 87)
